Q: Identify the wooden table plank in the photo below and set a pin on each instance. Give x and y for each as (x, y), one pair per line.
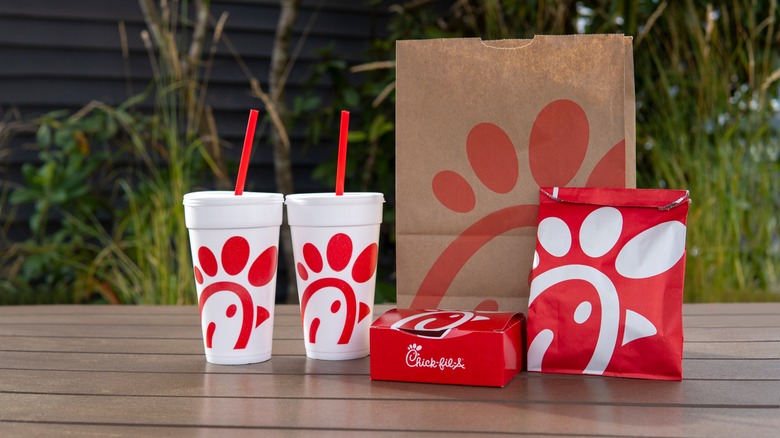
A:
(734, 369)
(135, 331)
(122, 320)
(8, 323)
(65, 309)
(732, 334)
(283, 347)
(721, 321)
(732, 350)
(767, 314)
(692, 350)
(527, 388)
(148, 331)
(56, 430)
(173, 363)
(139, 311)
(141, 371)
(732, 309)
(392, 415)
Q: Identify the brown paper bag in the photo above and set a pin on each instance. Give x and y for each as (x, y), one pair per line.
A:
(480, 125)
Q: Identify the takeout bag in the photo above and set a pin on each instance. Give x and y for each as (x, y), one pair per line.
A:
(480, 125)
(607, 283)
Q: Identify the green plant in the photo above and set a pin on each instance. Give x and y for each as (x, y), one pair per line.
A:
(69, 166)
(708, 115)
(146, 255)
(126, 240)
(708, 121)
(71, 162)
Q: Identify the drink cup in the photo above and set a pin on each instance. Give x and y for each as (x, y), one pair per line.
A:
(335, 245)
(234, 242)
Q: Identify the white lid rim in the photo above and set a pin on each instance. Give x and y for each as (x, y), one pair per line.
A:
(229, 198)
(332, 199)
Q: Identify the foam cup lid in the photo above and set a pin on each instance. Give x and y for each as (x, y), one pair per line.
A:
(226, 198)
(332, 199)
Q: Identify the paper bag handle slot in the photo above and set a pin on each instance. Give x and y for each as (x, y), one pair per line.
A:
(507, 44)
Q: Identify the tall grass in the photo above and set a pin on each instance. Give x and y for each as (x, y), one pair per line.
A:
(146, 259)
(144, 256)
(708, 114)
(708, 120)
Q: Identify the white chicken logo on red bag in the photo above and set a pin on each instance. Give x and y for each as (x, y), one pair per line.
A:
(591, 306)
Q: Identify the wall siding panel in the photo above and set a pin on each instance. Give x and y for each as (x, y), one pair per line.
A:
(63, 54)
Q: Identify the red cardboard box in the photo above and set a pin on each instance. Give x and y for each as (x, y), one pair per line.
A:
(447, 346)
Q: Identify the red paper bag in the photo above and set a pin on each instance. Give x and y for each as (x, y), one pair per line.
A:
(607, 283)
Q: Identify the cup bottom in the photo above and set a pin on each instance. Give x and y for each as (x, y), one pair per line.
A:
(341, 355)
(238, 360)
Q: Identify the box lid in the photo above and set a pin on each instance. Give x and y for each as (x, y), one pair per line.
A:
(439, 324)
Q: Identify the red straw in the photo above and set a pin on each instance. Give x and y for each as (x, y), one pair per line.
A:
(246, 152)
(342, 163)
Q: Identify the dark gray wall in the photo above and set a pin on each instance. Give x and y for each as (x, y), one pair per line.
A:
(63, 54)
(58, 54)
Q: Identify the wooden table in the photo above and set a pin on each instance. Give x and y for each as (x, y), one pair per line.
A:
(138, 371)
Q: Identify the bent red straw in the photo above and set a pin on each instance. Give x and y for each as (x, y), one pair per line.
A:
(342, 159)
(246, 152)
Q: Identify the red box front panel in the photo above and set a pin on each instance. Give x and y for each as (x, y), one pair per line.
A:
(453, 347)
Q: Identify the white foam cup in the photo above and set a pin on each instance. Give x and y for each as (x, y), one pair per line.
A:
(335, 245)
(234, 242)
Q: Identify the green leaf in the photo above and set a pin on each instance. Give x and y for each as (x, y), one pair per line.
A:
(65, 139)
(43, 136)
(379, 127)
(36, 221)
(316, 131)
(357, 136)
(91, 124)
(58, 196)
(45, 175)
(351, 98)
(311, 103)
(29, 171)
(123, 117)
(22, 196)
(384, 292)
(135, 100)
(325, 172)
(109, 131)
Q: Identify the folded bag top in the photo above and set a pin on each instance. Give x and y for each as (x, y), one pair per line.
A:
(661, 199)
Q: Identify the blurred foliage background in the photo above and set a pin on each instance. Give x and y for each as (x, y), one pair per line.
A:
(708, 120)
